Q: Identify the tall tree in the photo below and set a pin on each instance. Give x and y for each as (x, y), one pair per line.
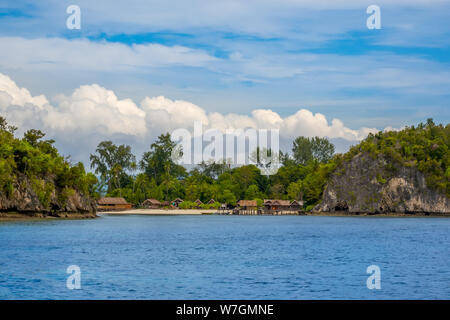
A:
(294, 190)
(306, 150)
(4, 126)
(34, 138)
(213, 169)
(112, 162)
(158, 163)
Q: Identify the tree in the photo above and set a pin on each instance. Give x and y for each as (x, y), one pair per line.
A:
(227, 197)
(158, 163)
(290, 172)
(306, 150)
(266, 160)
(172, 188)
(313, 185)
(277, 191)
(294, 190)
(4, 126)
(253, 192)
(322, 149)
(112, 162)
(49, 174)
(244, 177)
(34, 138)
(213, 169)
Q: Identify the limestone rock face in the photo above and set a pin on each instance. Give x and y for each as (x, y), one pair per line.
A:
(367, 185)
(24, 199)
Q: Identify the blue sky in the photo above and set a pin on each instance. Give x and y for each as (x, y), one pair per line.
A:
(234, 57)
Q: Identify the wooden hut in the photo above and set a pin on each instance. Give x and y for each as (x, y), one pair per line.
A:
(267, 204)
(296, 205)
(108, 203)
(247, 207)
(151, 204)
(176, 202)
(276, 206)
(198, 202)
(211, 203)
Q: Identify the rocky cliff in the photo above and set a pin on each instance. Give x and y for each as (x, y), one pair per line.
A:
(42, 198)
(369, 185)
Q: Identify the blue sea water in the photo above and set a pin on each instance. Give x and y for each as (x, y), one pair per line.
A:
(226, 257)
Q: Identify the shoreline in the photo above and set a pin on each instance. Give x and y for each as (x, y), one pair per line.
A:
(17, 216)
(365, 214)
(157, 212)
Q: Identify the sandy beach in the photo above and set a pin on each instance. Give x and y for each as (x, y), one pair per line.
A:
(211, 211)
(160, 211)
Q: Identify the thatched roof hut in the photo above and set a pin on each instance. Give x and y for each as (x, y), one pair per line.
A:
(276, 204)
(151, 204)
(247, 203)
(296, 204)
(113, 203)
(247, 207)
(176, 202)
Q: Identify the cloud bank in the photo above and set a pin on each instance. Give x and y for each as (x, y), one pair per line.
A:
(93, 113)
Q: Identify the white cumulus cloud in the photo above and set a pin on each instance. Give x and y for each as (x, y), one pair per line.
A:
(92, 114)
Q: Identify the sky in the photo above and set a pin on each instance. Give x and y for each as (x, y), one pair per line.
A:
(137, 68)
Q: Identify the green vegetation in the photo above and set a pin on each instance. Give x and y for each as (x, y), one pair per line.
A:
(425, 147)
(302, 176)
(193, 205)
(39, 161)
(307, 149)
(160, 178)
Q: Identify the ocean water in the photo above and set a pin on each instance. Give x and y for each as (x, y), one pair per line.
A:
(226, 257)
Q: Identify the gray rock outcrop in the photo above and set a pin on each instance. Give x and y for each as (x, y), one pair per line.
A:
(24, 199)
(370, 186)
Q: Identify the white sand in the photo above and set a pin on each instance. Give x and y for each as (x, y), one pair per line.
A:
(160, 211)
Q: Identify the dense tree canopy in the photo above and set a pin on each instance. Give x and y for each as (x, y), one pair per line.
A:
(425, 147)
(112, 162)
(161, 178)
(40, 162)
(302, 176)
(306, 150)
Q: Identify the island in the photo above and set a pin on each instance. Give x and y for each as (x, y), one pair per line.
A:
(403, 172)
